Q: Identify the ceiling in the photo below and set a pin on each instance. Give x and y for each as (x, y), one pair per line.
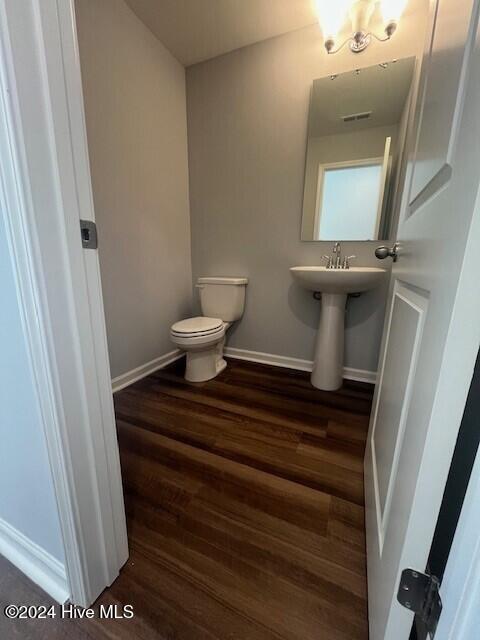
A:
(196, 30)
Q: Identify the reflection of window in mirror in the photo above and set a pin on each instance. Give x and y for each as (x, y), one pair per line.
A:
(349, 199)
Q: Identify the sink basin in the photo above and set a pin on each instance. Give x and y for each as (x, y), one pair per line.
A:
(334, 285)
(353, 280)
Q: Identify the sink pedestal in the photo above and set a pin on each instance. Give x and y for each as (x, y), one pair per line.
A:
(327, 371)
(334, 285)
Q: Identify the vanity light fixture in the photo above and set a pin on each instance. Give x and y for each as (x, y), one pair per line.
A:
(332, 15)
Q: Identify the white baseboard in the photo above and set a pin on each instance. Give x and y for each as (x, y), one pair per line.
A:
(126, 379)
(134, 375)
(269, 358)
(36, 563)
(359, 375)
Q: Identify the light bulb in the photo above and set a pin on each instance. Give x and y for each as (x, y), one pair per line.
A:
(331, 15)
(392, 9)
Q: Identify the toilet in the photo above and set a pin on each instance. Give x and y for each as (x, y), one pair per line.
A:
(222, 301)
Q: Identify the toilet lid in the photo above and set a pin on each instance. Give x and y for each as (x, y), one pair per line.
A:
(199, 325)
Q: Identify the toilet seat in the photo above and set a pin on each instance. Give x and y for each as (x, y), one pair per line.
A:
(202, 339)
(197, 327)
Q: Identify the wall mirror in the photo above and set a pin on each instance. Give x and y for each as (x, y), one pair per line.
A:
(356, 135)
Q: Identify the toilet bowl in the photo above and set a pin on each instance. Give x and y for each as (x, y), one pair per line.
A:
(222, 301)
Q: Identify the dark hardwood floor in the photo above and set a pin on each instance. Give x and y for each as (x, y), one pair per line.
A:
(244, 500)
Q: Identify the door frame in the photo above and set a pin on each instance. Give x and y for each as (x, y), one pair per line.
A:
(45, 187)
(460, 588)
(459, 493)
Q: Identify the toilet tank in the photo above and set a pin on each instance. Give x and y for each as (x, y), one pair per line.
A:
(222, 298)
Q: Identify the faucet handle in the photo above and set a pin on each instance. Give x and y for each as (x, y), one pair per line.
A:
(346, 262)
(329, 261)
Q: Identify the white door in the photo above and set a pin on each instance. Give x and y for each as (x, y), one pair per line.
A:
(432, 330)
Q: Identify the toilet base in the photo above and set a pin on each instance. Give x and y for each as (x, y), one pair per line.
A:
(221, 365)
(203, 365)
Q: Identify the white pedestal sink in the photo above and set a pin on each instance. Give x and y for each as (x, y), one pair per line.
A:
(334, 285)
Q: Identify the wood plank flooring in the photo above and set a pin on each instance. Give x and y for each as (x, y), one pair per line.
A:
(244, 500)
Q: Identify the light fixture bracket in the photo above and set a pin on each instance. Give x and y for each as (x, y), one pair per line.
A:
(359, 42)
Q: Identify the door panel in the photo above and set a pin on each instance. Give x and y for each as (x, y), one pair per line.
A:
(440, 107)
(391, 408)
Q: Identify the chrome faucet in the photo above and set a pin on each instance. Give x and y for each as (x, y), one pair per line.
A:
(335, 261)
(346, 262)
(329, 260)
(337, 250)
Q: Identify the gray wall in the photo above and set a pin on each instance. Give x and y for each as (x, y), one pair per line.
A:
(27, 500)
(247, 129)
(136, 123)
